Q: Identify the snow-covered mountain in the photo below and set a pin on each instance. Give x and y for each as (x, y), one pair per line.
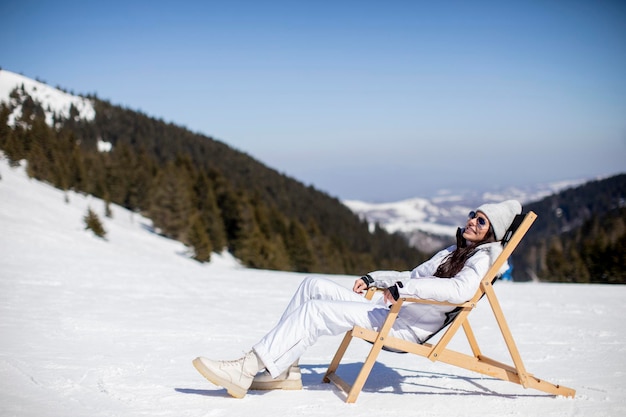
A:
(427, 222)
(55, 103)
(430, 222)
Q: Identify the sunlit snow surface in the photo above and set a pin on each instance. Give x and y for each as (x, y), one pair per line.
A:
(92, 327)
(53, 101)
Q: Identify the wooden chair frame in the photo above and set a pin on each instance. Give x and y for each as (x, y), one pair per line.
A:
(476, 362)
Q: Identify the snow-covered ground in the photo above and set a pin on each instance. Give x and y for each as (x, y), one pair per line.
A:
(53, 101)
(92, 327)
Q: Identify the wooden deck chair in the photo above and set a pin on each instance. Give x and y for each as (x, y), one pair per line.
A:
(476, 362)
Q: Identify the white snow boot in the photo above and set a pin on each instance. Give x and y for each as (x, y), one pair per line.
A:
(236, 376)
(291, 379)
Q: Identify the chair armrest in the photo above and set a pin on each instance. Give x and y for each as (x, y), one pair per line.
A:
(372, 290)
(439, 303)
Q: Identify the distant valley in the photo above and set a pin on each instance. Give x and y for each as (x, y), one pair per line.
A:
(430, 223)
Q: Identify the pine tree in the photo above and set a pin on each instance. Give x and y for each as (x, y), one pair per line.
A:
(92, 221)
(199, 240)
(77, 175)
(229, 205)
(38, 162)
(556, 261)
(299, 248)
(120, 171)
(95, 181)
(248, 242)
(5, 130)
(206, 203)
(327, 258)
(274, 253)
(170, 205)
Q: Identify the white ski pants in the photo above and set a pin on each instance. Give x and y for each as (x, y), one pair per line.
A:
(320, 307)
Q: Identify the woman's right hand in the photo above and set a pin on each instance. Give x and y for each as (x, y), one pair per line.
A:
(359, 286)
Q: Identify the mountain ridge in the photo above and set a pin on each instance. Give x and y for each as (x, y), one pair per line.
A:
(195, 189)
(212, 197)
(429, 223)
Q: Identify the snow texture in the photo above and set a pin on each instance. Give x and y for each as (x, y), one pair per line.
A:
(94, 327)
(53, 101)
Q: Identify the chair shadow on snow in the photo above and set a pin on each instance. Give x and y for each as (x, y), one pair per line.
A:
(385, 380)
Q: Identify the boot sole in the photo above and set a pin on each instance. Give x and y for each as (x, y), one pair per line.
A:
(232, 389)
(293, 384)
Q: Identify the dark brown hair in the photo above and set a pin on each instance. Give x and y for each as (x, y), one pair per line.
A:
(455, 261)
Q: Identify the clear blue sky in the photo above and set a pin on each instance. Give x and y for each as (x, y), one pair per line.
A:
(377, 101)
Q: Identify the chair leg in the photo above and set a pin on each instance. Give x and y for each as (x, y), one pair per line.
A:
(364, 373)
(334, 364)
(357, 386)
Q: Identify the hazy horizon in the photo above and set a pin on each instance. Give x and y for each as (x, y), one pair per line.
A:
(367, 101)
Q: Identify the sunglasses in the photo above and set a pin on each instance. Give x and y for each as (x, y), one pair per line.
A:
(481, 221)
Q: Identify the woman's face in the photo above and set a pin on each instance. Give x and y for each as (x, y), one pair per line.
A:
(476, 227)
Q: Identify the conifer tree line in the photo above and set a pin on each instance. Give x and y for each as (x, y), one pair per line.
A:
(211, 197)
(198, 190)
(579, 236)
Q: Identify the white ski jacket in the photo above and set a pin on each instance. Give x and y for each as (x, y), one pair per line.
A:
(425, 319)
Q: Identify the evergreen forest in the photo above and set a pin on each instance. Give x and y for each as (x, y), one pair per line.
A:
(198, 190)
(579, 236)
(211, 197)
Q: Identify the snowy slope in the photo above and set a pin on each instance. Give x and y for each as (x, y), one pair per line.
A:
(90, 327)
(54, 101)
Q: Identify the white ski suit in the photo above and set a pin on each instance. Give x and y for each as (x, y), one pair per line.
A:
(322, 307)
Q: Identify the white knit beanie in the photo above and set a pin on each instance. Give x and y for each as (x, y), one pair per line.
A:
(501, 215)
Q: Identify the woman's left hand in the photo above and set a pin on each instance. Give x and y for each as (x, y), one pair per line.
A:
(388, 297)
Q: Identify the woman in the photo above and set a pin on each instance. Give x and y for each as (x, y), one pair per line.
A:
(322, 307)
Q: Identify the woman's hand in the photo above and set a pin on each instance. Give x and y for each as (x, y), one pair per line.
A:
(389, 297)
(359, 286)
